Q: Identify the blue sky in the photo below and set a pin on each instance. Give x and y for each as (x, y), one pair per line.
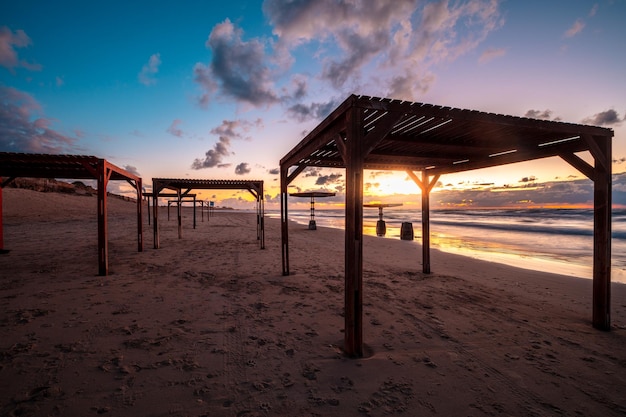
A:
(217, 90)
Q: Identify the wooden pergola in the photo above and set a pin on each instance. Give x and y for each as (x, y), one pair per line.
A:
(13, 165)
(427, 141)
(254, 187)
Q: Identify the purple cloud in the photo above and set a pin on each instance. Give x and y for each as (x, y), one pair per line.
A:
(605, 118)
(239, 69)
(149, 70)
(21, 128)
(213, 157)
(8, 55)
(242, 169)
(174, 129)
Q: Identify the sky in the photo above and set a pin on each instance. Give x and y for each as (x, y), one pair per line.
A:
(223, 90)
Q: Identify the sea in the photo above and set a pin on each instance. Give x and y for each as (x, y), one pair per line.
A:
(552, 240)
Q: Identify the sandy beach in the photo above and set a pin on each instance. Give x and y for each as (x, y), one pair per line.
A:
(208, 326)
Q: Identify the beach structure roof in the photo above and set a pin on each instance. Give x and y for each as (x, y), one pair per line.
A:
(427, 141)
(13, 165)
(185, 186)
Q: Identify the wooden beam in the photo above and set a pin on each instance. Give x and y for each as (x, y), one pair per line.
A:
(284, 231)
(597, 152)
(289, 178)
(602, 202)
(380, 131)
(354, 236)
(578, 163)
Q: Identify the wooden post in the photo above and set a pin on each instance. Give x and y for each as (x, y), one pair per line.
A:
(426, 185)
(139, 216)
(156, 189)
(179, 213)
(148, 200)
(283, 219)
(194, 211)
(1, 220)
(261, 219)
(354, 236)
(602, 237)
(103, 249)
(425, 224)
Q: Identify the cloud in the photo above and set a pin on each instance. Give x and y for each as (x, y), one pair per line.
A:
(174, 129)
(23, 130)
(327, 179)
(531, 179)
(227, 131)
(304, 112)
(213, 157)
(605, 118)
(235, 129)
(274, 171)
(133, 170)
(399, 40)
(146, 76)
(575, 29)
(490, 54)
(8, 55)
(539, 114)
(239, 69)
(242, 169)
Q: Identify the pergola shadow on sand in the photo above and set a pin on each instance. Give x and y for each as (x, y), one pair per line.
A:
(427, 141)
(253, 186)
(13, 165)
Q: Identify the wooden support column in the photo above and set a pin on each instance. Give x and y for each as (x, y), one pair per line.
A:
(148, 200)
(179, 213)
(194, 211)
(602, 237)
(284, 232)
(1, 220)
(425, 226)
(103, 247)
(426, 185)
(262, 219)
(354, 236)
(156, 189)
(139, 216)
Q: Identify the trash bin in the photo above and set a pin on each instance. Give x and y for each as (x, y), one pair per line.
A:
(406, 231)
(381, 229)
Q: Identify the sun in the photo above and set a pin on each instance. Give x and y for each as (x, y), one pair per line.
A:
(388, 183)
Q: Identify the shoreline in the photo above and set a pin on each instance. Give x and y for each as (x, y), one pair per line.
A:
(481, 249)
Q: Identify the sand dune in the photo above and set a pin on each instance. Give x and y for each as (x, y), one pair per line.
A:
(207, 325)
